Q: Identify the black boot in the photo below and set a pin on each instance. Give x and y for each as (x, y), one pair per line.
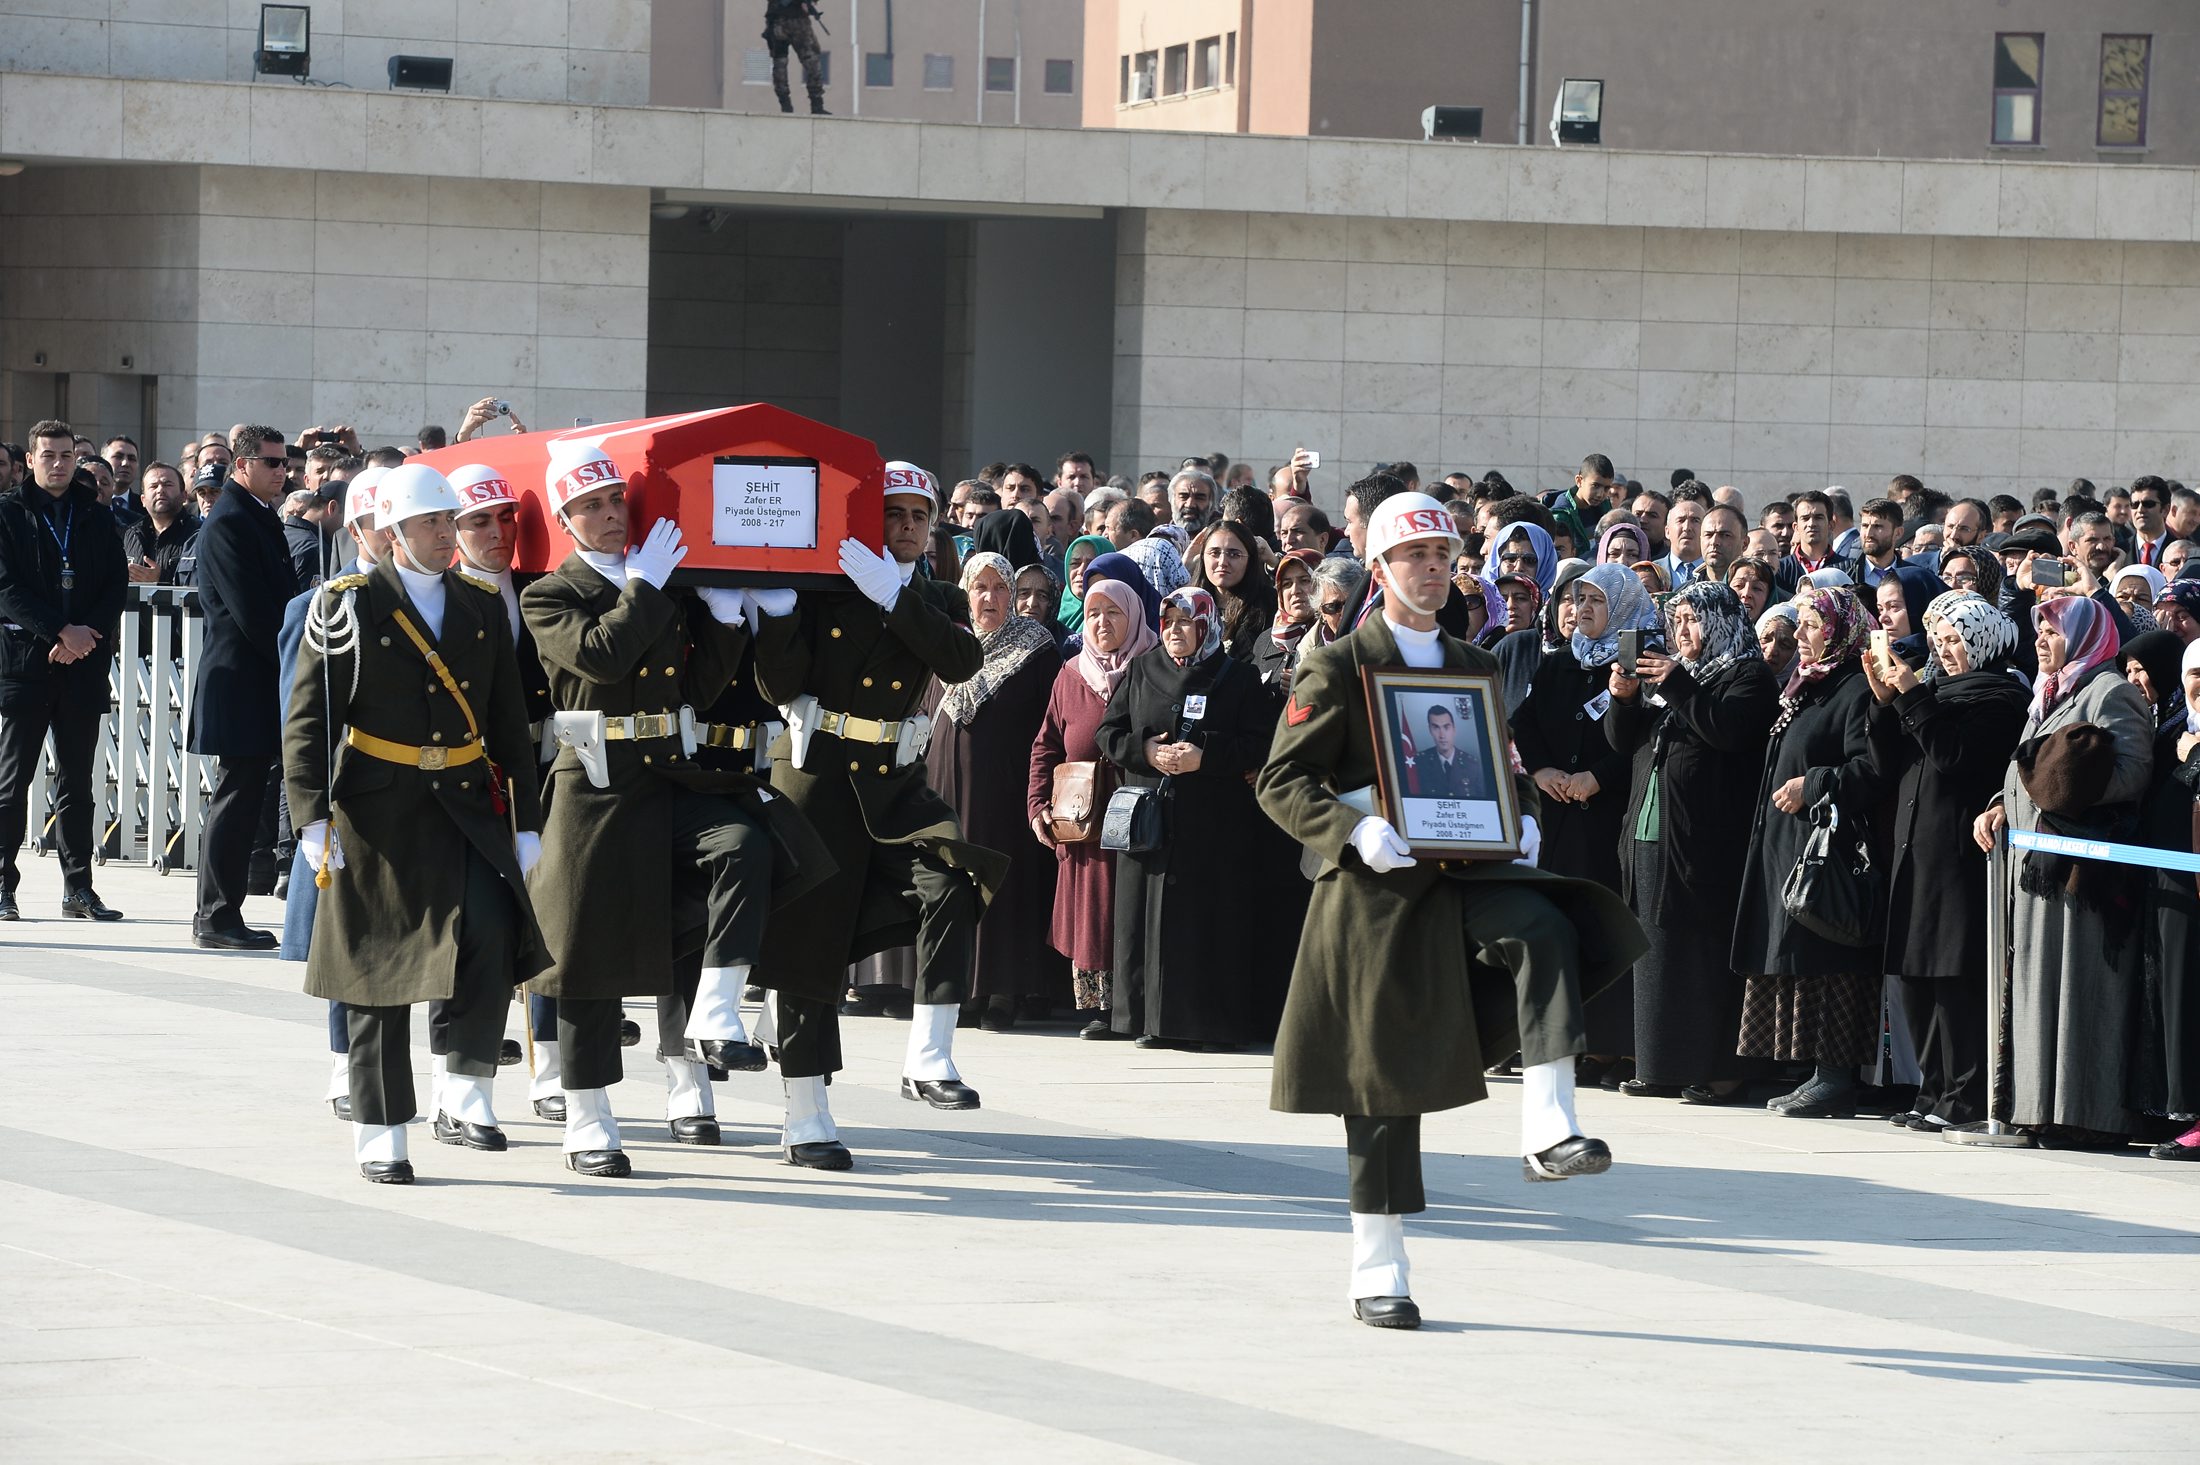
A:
(786, 102)
(817, 105)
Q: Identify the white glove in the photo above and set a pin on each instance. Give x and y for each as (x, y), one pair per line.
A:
(1381, 850)
(528, 846)
(873, 573)
(1531, 841)
(316, 840)
(727, 607)
(771, 602)
(658, 555)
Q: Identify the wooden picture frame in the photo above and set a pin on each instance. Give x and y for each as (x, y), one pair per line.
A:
(1460, 807)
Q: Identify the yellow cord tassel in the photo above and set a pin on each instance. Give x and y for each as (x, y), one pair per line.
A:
(321, 876)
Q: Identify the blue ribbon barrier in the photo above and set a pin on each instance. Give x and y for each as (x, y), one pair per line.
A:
(2102, 849)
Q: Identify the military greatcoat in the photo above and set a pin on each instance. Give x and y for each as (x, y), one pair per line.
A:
(386, 930)
(856, 658)
(1387, 1012)
(604, 888)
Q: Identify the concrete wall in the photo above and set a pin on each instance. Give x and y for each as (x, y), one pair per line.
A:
(1044, 308)
(538, 50)
(747, 311)
(306, 297)
(1375, 67)
(1772, 359)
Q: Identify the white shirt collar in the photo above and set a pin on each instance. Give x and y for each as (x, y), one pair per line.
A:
(611, 566)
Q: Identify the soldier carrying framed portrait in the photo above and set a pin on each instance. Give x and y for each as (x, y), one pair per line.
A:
(1443, 762)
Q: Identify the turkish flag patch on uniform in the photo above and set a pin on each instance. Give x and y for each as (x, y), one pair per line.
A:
(1294, 714)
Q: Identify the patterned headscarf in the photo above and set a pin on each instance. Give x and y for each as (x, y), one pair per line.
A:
(1200, 606)
(1988, 634)
(2186, 593)
(1728, 637)
(1159, 562)
(1071, 615)
(2141, 610)
(1848, 624)
(2092, 637)
(1631, 610)
(1177, 535)
(1007, 646)
(1103, 670)
(1546, 553)
(1494, 613)
(1288, 634)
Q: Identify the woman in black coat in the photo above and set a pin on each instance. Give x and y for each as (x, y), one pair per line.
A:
(1202, 719)
(2169, 817)
(1559, 731)
(1698, 760)
(1943, 742)
(1810, 999)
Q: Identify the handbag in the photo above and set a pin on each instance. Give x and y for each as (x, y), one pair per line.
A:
(1078, 800)
(1835, 890)
(1134, 821)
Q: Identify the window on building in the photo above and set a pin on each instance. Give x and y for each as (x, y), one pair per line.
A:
(1207, 63)
(1061, 78)
(939, 73)
(1000, 73)
(1144, 77)
(756, 68)
(2017, 87)
(1176, 64)
(1229, 59)
(2125, 61)
(878, 68)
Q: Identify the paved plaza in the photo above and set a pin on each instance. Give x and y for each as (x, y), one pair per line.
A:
(1123, 1256)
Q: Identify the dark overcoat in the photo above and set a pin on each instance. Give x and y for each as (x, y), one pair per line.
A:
(31, 602)
(386, 929)
(245, 580)
(1387, 1012)
(1561, 725)
(841, 648)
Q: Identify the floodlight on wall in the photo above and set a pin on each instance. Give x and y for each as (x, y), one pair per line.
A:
(286, 41)
(1577, 112)
(9, 167)
(420, 73)
(1451, 122)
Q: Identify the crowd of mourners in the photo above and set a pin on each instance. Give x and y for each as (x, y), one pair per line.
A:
(1909, 680)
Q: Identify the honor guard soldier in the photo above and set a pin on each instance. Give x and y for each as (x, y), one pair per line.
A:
(421, 827)
(1412, 972)
(647, 855)
(850, 670)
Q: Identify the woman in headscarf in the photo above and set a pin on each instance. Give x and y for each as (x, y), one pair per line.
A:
(1583, 776)
(1698, 759)
(1776, 640)
(2075, 1000)
(1038, 598)
(1495, 616)
(2150, 662)
(1083, 925)
(1159, 562)
(1809, 999)
(1083, 550)
(2178, 610)
(1189, 715)
(1900, 600)
(978, 726)
(1974, 568)
(1623, 544)
(1123, 569)
(1942, 738)
(1002, 534)
(1229, 568)
(2171, 815)
(2136, 588)
(1520, 654)
(1522, 548)
(1278, 652)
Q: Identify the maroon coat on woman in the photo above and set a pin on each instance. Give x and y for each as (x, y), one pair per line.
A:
(1084, 878)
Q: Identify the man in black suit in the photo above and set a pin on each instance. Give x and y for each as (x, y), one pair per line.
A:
(1443, 771)
(62, 585)
(244, 579)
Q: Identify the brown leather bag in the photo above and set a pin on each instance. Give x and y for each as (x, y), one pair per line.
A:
(1078, 799)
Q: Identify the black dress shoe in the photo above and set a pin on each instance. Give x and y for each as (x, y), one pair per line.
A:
(242, 938)
(1098, 1031)
(1509, 1068)
(509, 1053)
(1387, 1312)
(1810, 1103)
(940, 1093)
(630, 1032)
(823, 1154)
(1902, 1121)
(696, 1129)
(388, 1172)
(342, 1108)
(727, 1054)
(1567, 1159)
(854, 1003)
(463, 1132)
(1701, 1093)
(85, 905)
(552, 1108)
(9, 910)
(604, 1164)
(1643, 1089)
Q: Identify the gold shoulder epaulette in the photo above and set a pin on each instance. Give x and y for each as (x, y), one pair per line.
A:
(489, 586)
(341, 583)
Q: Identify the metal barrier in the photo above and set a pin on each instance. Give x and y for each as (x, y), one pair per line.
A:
(151, 789)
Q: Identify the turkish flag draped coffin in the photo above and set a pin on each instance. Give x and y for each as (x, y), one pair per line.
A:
(763, 496)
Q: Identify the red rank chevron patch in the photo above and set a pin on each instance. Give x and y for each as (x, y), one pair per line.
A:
(1294, 714)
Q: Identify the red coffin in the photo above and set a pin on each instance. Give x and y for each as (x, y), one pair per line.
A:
(672, 471)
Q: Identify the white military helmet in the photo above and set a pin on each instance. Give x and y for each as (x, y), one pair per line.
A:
(908, 479)
(479, 486)
(410, 490)
(359, 494)
(577, 469)
(1405, 517)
